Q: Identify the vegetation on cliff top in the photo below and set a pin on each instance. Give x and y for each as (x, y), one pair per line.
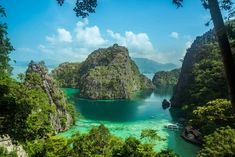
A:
(166, 78)
(67, 74)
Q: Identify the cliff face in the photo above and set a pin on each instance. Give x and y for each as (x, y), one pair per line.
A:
(202, 76)
(166, 78)
(181, 92)
(111, 74)
(61, 118)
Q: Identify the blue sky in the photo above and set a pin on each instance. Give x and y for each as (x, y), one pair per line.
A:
(155, 29)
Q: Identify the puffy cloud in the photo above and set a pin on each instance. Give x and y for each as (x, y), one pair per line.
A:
(76, 45)
(174, 35)
(188, 44)
(136, 43)
(62, 36)
(89, 36)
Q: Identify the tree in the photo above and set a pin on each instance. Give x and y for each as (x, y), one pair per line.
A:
(219, 144)
(5, 46)
(214, 114)
(83, 7)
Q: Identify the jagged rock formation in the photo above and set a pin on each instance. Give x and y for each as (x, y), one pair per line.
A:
(7, 144)
(202, 75)
(166, 78)
(61, 119)
(67, 74)
(111, 74)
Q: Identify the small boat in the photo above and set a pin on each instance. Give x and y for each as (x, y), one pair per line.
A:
(192, 135)
(172, 126)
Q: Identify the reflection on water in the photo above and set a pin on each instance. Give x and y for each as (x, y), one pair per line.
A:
(128, 117)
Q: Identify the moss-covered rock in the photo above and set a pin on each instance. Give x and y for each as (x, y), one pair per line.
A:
(67, 74)
(111, 74)
(166, 78)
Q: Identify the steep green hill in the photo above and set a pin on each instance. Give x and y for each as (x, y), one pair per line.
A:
(111, 74)
(202, 76)
(166, 78)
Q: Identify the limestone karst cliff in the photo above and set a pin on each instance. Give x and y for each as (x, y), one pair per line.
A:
(110, 73)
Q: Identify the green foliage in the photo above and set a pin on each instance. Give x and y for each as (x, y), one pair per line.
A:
(166, 78)
(221, 143)
(209, 81)
(150, 135)
(28, 109)
(67, 74)
(5, 46)
(167, 153)
(214, 114)
(50, 147)
(26, 113)
(133, 148)
(5, 153)
(98, 142)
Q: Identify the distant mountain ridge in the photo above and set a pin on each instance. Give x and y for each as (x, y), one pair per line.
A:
(150, 66)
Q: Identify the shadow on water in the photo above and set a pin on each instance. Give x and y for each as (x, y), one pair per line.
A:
(163, 91)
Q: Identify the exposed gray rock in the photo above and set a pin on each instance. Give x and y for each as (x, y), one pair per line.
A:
(61, 120)
(6, 143)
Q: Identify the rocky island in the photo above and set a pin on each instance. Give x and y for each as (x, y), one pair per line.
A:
(110, 73)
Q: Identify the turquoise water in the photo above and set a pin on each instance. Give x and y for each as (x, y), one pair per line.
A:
(128, 118)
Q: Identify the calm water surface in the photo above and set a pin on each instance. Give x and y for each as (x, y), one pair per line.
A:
(128, 118)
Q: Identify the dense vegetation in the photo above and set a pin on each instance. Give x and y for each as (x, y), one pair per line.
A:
(166, 78)
(202, 76)
(29, 111)
(98, 142)
(220, 143)
(29, 107)
(201, 95)
(111, 74)
(67, 74)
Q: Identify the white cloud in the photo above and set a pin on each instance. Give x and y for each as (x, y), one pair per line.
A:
(174, 35)
(62, 36)
(188, 44)
(76, 45)
(138, 44)
(89, 36)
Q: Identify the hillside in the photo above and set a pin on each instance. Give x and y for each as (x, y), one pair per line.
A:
(202, 76)
(166, 78)
(111, 74)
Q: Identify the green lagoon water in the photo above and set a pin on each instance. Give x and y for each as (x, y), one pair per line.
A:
(128, 118)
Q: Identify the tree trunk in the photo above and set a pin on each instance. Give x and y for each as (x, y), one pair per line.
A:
(225, 48)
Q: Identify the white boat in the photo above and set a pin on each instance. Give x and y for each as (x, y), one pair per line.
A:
(172, 126)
